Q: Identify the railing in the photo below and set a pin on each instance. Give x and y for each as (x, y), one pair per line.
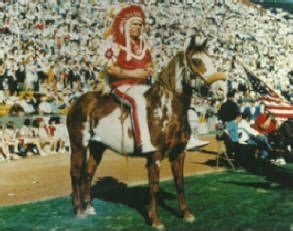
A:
(286, 5)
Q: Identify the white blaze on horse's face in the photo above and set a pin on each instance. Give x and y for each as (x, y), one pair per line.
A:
(203, 63)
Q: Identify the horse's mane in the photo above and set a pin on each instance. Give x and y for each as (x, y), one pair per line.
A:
(167, 77)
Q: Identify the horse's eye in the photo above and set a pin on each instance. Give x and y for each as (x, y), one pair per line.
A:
(197, 62)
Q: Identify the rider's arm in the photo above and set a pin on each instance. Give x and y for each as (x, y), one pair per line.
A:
(139, 73)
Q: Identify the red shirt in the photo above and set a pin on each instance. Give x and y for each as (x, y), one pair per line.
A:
(133, 63)
(40, 26)
(261, 119)
(51, 130)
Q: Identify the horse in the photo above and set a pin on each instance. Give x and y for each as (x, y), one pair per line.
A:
(96, 122)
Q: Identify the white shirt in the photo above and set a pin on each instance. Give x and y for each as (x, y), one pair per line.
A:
(61, 133)
(245, 130)
(26, 132)
(43, 133)
(45, 107)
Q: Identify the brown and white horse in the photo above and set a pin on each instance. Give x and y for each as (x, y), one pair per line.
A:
(97, 122)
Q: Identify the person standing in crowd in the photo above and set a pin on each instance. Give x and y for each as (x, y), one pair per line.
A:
(20, 77)
(3, 79)
(73, 77)
(131, 69)
(51, 78)
(10, 141)
(228, 113)
(61, 136)
(11, 82)
(3, 156)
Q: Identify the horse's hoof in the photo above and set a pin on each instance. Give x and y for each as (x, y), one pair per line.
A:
(81, 215)
(90, 211)
(189, 218)
(159, 226)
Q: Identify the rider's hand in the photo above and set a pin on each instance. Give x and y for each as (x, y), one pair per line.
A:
(150, 71)
(141, 73)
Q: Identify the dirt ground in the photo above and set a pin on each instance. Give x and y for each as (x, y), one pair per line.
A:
(36, 178)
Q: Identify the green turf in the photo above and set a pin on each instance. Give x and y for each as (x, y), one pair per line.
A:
(220, 201)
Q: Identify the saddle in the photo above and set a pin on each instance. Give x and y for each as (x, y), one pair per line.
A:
(132, 97)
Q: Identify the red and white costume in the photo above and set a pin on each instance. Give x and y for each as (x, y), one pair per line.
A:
(130, 56)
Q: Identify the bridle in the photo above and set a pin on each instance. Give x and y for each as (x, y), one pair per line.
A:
(186, 71)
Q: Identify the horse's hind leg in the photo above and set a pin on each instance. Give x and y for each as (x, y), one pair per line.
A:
(96, 151)
(177, 164)
(78, 157)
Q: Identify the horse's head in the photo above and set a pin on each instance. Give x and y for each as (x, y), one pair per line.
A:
(190, 68)
(200, 63)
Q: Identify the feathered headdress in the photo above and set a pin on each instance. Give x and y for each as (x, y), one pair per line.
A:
(120, 29)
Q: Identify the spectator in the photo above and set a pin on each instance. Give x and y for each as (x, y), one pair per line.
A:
(73, 77)
(3, 79)
(45, 137)
(31, 143)
(248, 135)
(228, 112)
(11, 83)
(44, 106)
(3, 156)
(52, 84)
(20, 77)
(286, 135)
(61, 136)
(265, 123)
(10, 141)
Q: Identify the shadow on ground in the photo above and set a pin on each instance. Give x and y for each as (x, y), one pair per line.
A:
(137, 197)
(234, 200)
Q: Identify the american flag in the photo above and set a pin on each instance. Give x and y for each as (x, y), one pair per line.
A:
(274, 102)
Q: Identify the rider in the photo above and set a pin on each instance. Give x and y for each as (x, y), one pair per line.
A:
(132, 68)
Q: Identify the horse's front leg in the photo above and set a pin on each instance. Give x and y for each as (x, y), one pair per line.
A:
(91, 166)
(154, 183)
(177, 164)
(78, 155)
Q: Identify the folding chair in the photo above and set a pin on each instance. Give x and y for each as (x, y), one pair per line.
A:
(225, 149)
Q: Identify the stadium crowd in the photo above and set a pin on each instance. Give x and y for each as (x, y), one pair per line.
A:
(51, 52)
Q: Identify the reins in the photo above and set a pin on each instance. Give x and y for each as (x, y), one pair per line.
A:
(185, 70)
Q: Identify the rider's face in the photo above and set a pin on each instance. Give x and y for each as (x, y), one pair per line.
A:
(135, 29)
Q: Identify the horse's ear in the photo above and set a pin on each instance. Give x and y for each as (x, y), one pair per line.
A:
(196, 43)
(192, 42)
(204, 44)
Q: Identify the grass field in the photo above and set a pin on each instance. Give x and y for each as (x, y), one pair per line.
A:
(220, 201)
